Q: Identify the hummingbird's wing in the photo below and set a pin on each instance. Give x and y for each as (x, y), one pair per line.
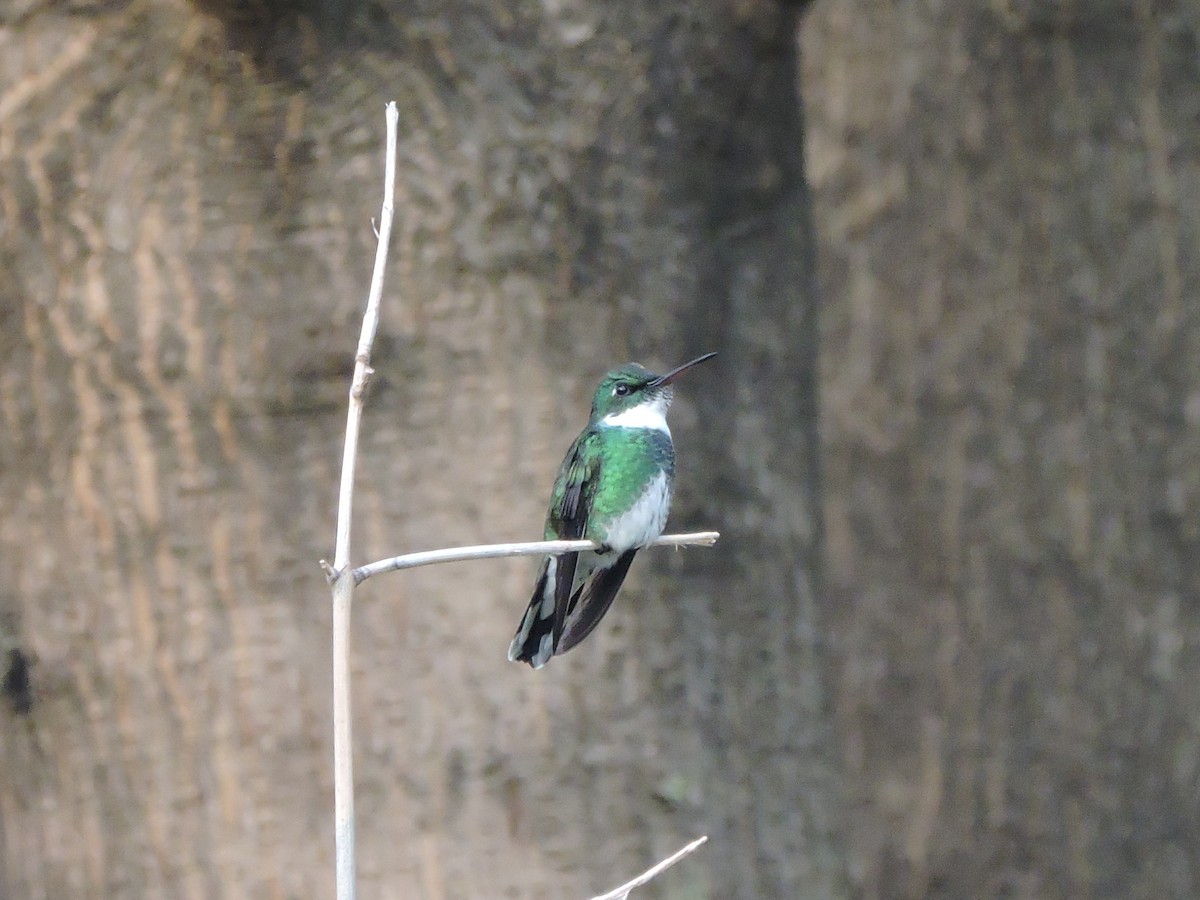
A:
(570, 507)
(542, 625)
(592, 600)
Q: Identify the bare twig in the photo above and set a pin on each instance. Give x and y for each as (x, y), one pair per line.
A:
(528, 548)
(342, 580)
(623, 891)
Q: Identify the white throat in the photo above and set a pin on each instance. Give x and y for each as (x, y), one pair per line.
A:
(645, 415)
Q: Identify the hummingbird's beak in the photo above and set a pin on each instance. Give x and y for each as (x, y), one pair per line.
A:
(662, 380)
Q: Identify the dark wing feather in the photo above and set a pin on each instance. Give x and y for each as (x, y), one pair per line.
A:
(564, 580)
(593, 601)
(569, 511)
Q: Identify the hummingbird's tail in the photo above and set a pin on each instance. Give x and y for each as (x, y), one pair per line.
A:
(560, 615)
(534, 641)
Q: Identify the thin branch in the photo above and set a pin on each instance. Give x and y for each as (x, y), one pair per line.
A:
(342, 581)
(528, 548)
(623, 891)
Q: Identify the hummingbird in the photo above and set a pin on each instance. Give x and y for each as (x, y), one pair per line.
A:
(613, 487)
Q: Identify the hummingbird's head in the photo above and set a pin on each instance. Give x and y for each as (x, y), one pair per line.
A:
(638, 392)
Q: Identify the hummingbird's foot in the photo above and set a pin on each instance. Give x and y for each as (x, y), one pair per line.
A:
(605, 549)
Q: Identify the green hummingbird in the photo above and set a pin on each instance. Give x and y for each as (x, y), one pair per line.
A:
(614, 488)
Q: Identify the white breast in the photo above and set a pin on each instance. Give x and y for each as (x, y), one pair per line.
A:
(645, 520)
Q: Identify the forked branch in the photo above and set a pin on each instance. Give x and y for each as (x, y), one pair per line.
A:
(343, 584)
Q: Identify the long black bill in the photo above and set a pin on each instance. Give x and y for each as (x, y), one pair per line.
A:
(675, 373)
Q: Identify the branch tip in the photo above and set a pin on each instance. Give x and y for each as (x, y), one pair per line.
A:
(623, 891)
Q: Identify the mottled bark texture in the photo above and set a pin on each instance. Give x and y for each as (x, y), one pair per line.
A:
(1008, 197)
(185, 198)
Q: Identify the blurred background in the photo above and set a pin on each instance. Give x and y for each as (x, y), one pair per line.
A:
(948, 645)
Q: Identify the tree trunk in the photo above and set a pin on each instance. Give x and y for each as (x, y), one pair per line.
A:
(1007, 195)
(186, 194)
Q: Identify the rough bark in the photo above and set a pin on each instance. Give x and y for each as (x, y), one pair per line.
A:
(185, 192)
(1007, 197)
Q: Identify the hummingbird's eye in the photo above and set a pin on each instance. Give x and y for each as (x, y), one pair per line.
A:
(621, 390)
